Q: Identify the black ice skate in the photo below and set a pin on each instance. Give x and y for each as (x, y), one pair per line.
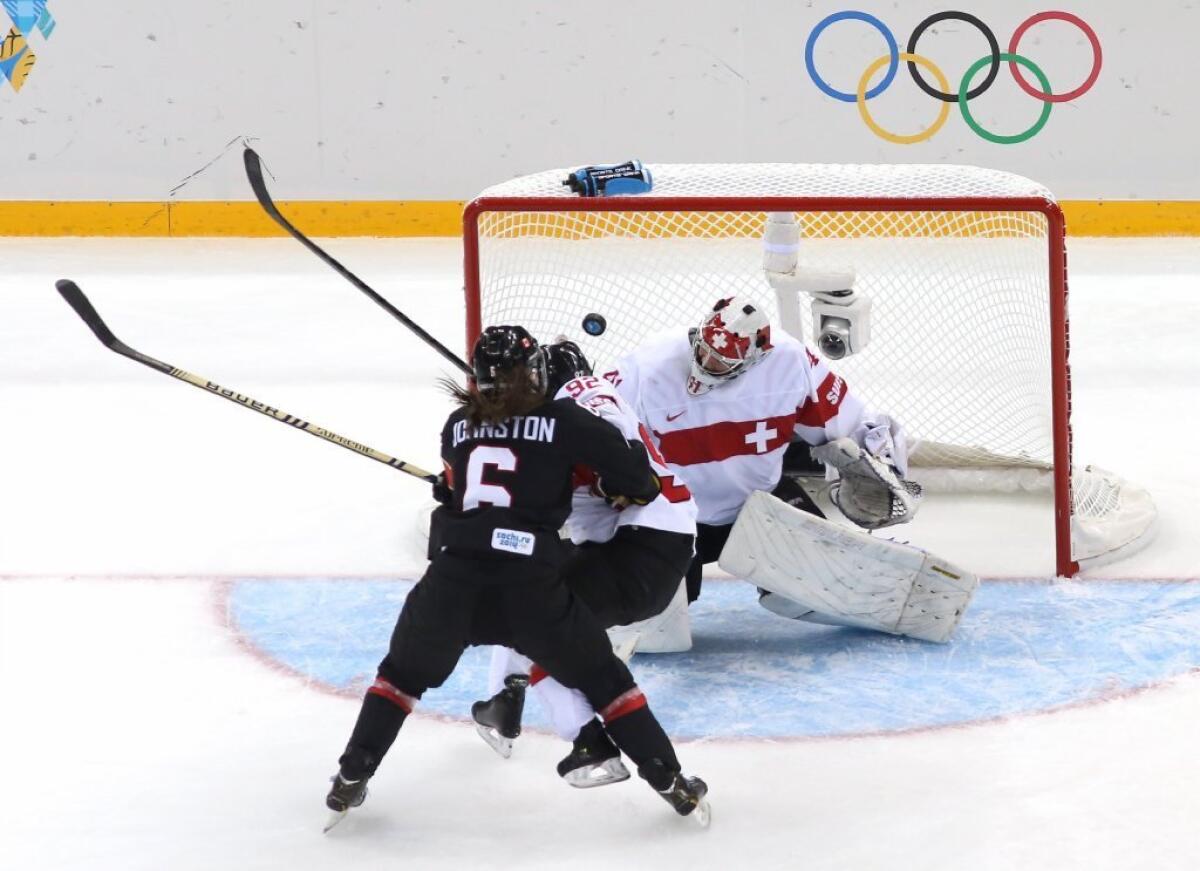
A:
(594, 760)
(344, 795)
(687, 795)
(498, 720)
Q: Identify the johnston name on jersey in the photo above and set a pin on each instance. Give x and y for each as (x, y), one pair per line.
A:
(730, 441)
(592, 518)
(511, 481)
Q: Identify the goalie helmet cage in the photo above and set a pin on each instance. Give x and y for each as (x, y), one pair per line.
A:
(965, 267)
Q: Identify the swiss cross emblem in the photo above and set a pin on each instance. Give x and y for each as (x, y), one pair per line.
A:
(727, 343)
(761, 436)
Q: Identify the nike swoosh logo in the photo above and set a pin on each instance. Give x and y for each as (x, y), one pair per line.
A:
(671, 417)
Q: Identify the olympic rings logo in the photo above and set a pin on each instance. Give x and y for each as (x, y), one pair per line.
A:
(965, 93)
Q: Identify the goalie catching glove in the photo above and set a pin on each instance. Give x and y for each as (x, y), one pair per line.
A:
(868, 490)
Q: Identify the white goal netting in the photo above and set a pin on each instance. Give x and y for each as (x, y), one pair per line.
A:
(958, 263)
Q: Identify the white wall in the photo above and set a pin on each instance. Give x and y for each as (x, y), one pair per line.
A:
(433, 99)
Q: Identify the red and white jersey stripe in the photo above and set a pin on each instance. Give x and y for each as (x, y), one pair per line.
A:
(730, 441)
(593, 519)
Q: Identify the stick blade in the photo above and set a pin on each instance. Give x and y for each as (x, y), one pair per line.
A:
(75, 298)
(254, 173)
(253, 163)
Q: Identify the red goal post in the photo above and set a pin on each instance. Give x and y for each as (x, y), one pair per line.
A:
(966, 268)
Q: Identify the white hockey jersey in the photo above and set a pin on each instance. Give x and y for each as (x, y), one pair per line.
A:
(730, 441)
(593, 519)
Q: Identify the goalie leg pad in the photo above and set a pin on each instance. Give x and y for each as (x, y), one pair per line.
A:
(841, 573)
(667, 632)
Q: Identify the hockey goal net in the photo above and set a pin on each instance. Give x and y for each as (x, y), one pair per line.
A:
(965, 268)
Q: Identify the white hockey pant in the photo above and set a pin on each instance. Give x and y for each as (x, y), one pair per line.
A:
(569, 710)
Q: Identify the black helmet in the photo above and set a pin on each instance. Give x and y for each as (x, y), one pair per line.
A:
(502, 349)
(564, 362)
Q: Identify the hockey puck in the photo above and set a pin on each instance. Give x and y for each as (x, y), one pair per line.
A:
(594, 324)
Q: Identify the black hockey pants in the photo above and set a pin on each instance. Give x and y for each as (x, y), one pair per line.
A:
(516, 603)
(630, 577)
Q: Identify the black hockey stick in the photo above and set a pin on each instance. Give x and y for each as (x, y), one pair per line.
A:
(254, 172)
(74, 296)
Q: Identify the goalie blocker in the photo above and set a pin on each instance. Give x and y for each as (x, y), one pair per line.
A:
(824, 572)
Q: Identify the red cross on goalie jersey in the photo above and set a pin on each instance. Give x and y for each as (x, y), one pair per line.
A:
(729, 442)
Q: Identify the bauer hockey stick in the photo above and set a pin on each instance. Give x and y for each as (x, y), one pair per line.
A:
(254, 172)
(74, 296)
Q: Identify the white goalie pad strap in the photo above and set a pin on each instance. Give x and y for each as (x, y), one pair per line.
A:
(867, 490)
(846, 574)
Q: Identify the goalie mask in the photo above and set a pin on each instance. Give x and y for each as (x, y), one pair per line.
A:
(499, 350)
(731, 339)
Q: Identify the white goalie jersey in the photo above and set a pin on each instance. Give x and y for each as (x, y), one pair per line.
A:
(594, 519)
(729, 442)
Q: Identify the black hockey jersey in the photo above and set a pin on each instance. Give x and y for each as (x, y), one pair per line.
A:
(511, 481)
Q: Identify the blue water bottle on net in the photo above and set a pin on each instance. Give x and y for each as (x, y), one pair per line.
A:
(611, 180)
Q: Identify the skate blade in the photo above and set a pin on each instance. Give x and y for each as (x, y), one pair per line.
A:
(503, 746)
(602, 774)
(783, 606)
(335, 817)
(703, 813)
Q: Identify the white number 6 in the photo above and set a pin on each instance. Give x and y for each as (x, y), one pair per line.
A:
(480, 492)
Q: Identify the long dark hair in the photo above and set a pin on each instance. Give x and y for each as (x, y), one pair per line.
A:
(516, 393)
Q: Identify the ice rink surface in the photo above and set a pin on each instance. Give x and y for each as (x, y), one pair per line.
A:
(192, 595)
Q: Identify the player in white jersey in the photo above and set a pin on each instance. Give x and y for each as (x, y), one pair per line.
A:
(628, 566)
(723, 403)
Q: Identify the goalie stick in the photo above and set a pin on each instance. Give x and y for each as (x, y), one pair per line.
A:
(254, 172)
(75, 298)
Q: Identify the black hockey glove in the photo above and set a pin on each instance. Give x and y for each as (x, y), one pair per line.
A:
(442, 493)
(619, 501)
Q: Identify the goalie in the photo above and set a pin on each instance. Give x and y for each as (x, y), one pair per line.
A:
(723, 402)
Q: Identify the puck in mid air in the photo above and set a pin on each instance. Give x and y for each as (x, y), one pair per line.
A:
(594, 324)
